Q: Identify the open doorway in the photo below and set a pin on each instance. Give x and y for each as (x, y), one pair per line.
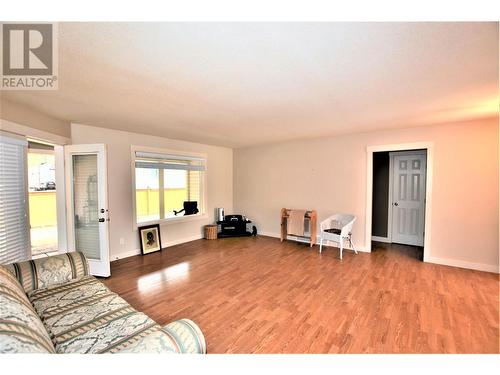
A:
(42, 198)
(399, 201)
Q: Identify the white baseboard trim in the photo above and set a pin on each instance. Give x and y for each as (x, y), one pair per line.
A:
(183, 240)
(463, 264)
(381, 239)
(132, 253)
(446, 262)
(126, 254)
(305, 240)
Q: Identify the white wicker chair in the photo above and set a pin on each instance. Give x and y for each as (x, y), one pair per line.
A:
(337, 228)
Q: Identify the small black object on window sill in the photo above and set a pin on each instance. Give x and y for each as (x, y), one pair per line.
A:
(190, 208)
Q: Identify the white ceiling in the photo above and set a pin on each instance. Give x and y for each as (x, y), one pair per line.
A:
(241, 84)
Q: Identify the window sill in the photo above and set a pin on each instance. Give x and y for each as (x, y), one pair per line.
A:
(174, 220)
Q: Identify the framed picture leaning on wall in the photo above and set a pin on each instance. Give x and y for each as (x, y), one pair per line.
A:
(149, 237)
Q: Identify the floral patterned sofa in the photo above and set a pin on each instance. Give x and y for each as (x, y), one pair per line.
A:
(53, 305)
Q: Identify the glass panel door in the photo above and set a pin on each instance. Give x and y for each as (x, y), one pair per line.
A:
(87, 205)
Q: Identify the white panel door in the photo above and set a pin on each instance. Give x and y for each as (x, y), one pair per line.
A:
(87, 204)
(408, 198)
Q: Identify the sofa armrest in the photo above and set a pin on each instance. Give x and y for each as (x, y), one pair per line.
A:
(48, 271)
(187, 335)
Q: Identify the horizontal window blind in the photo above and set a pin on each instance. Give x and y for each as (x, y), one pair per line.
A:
(85, 205)
(168, 161)
(14, 230)
(159, 156)
(156, 165)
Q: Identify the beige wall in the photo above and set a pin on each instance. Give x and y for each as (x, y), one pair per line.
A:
(25, 116)
(325, 174)
(219, 184)
(329, 175)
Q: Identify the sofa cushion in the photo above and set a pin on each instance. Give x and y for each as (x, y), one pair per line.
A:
(84, 316)
(111, 335)
(21, 330)
(48, 271)
(78, 306)
(64, 297)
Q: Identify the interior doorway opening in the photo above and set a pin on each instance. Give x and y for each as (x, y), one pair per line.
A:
(399, 200)
(42, 195)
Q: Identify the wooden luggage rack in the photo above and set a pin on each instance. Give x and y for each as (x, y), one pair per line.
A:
(310, 215)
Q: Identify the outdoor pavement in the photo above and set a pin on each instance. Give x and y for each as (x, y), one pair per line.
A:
(43, 240)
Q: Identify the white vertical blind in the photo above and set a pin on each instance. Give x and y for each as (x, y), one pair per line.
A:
(14, 229)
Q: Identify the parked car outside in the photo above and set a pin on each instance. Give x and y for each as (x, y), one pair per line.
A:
(46, 186)
(50, 186)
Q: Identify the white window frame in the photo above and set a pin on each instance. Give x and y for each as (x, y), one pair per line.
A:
(170, 220)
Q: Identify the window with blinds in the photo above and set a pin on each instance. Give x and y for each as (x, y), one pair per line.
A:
(14, 230)
(168, 186)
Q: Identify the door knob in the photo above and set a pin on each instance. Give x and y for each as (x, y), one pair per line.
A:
(396, 204)
(102, 220)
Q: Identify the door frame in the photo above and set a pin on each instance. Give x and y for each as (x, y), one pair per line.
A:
(62, 229)
(103, 192)
(429, 147)
(391, 186)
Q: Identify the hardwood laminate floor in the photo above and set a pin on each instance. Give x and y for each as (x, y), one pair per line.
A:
(257, 295)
